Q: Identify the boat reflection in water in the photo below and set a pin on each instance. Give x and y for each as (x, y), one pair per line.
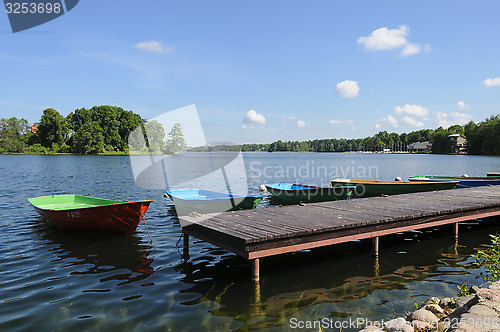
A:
(345, 277)
(121, 258)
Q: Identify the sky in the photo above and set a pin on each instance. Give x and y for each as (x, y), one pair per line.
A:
(259, 71)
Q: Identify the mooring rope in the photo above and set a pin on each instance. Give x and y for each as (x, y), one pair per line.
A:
(147, 230)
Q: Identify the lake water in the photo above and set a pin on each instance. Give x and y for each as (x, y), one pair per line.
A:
(59, 280)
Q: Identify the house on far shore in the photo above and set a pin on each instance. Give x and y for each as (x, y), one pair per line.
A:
(458, 143)
(419, 147)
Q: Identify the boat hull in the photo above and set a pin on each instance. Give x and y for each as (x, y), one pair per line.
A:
(296, 193)
(371, 188)
(118, 217)
(205, 201)
(463, 182)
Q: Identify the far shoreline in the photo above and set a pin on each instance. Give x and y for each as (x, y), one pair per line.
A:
(278, 152)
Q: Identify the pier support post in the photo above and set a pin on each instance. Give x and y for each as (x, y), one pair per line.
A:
(455, 230)
(375, 246)
(255, 270)
(185, 246)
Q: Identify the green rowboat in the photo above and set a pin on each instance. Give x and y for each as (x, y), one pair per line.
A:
(370, 188)
(90, 214)
(297, 193)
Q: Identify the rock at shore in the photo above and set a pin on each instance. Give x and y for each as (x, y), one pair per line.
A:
(398, 325)
(424, 315)
(479, 312)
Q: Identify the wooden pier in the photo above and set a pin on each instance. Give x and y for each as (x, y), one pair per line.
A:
(259, 233)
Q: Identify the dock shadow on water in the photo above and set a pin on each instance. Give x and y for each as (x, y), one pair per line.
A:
(338, 283)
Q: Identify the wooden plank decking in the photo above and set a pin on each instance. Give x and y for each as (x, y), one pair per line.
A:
(259, 233)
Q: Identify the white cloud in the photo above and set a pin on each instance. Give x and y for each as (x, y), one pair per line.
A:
(446, 120)
(491, 81)
(252, 118)
(353, 128)
(411, 49)
(285, 117)
(391, 121)
(412, 122)
(377, 126)
(341, 122)
(389, 39)
(460, 118)
(154, 46)
(385, 39)
(413, 110)
(302, 124)
(463, 106)
(441, 118)
(347, 89)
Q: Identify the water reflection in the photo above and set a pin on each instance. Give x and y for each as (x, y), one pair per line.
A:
(123, 258)
(293, 282)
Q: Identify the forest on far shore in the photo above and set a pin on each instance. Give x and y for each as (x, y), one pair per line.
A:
(106, 129)
(84, 131)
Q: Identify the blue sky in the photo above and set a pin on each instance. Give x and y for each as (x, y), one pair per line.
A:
(259, 71)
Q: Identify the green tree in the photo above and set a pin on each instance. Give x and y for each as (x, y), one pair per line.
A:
(88, 139)
(14, 134)
(176, 142)
(155, 134)
(456, 129)
(490, 136)
(474, 143)
(441, 143)
(112, 124)
(52, 129)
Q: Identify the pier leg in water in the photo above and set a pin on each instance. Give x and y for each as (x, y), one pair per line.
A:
(255, 270)
(256, 283)
(185, 247)
(376, 267)
(375, 246)
(256, 296)
(455, 233)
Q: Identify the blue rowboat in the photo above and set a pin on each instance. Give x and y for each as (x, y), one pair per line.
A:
(296, 193)
(463, 181)
(202, 201)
